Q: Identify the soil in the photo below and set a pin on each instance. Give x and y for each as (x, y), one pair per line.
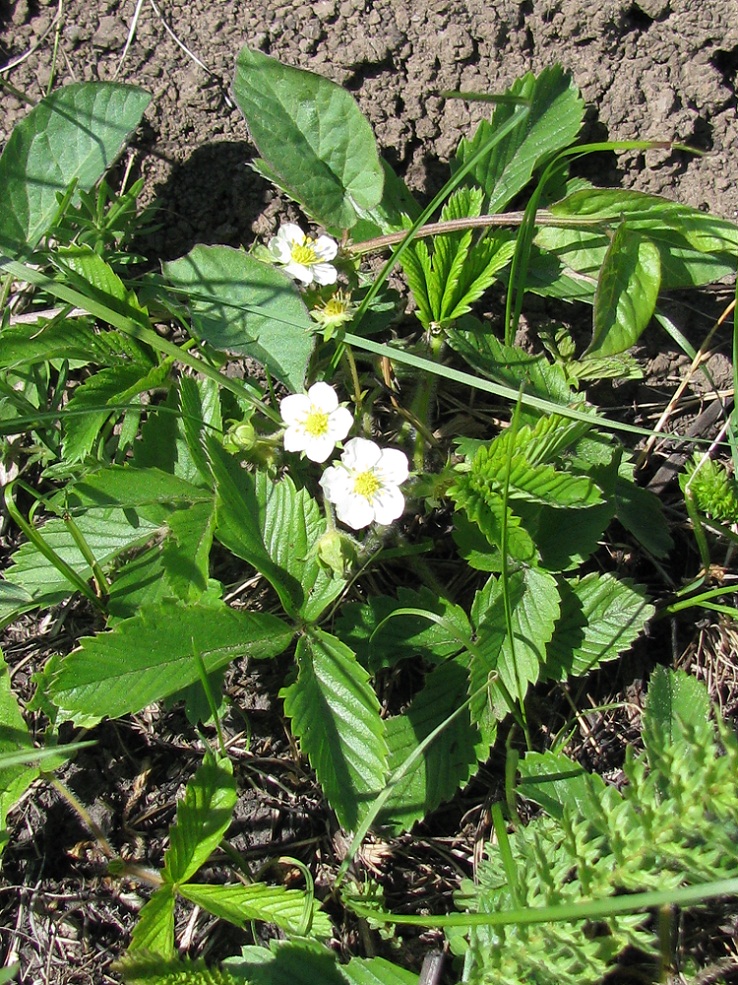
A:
(661, 70)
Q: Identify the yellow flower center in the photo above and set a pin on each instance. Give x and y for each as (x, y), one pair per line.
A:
(304, 253)
(336, 306)
(316, 423)
(367, 484)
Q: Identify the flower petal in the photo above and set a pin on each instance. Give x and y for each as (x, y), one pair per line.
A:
(355, 511)
(325, 248)
(340, 423)
(295, 438)
(323, 396)
(324, 273)
(360, 454)
(294, 408)
(300, 272)
(318, 449)
(392, 467)
(280, 249)
(335, 483)
(388, 504)
(291, 233)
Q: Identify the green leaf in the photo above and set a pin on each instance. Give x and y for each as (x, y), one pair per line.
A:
(290, 909)
(73, 135)
(335, 714)
(127, 487)
(447, 763)
(415, 625)
(641, 513)
(694, 248)
(556, 114)
(244, 307)
(107, 532)
(14, 737)
(626, 294)
(674, 700)
(297, 962)
(154, 930)
(600, 618)
(203, 815)
(509, 365)
(73, 339)
(313, 137)
(186, 554)
(534, 610)
(86, 411)
(377, 971)
(557, 783)
(276, 528)
(150, 656)
(14, 600)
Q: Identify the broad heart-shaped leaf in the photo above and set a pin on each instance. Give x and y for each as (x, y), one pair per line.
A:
(245, 307)
(534, 609)
(600, 619)
(447, 763)
(556, 114)
(202, 818)
(154, 930)
(72, 135)
(626, 294)
(674, 699)
(335, 715)
(276, 528)
(290, 909)
(150, 656)
(312, 135)
(14, 737)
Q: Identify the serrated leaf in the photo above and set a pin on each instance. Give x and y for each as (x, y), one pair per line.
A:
(141, 581)
(86, 411)
(150, 656)
(199, 401)
(297, 962)
(384, 630)
(377, 971)
(335, 714)
(107, 532)
(154, 930)
(275, 528)
(509, 365)
(600, 618)
(14, 600)
(74, 134)
(14, 737)
(627, 290)
(674, 699)
(534, 610)
(554, 120)
(557, 783)
(186, 554)
(312, 135)
(290, 909)
(244, 307)
(203, 816)
(127, 487)
(73, 339)
(641, 513)
(447, 763)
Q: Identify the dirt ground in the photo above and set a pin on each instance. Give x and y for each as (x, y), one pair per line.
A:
(653, 69)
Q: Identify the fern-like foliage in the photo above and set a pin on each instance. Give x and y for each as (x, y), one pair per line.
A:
(675, 824)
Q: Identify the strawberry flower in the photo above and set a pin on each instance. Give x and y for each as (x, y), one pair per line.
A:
(364, 486)
(315, 421)
(304, 258)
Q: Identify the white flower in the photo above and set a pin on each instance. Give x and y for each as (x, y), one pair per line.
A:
(304, 257)
(314, 421)
(364, 487)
